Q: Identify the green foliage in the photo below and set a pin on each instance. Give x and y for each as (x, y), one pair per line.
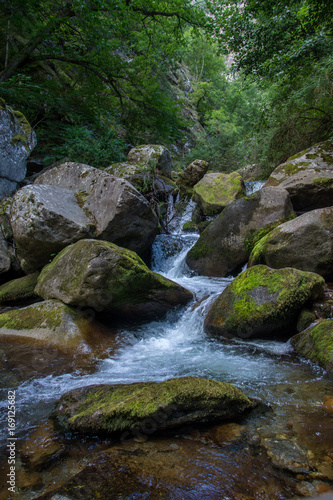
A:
(83, 145)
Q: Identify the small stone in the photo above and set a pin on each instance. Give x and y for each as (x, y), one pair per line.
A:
(328, 406)
(174, 446)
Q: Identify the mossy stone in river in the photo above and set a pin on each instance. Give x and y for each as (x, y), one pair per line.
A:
(263, 302)
(216, 190)
(316, 344)
(47, 323)
(101, 275)
(149, 406)
(20, 289)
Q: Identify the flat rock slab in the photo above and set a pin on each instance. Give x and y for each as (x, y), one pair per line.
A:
(143, 408)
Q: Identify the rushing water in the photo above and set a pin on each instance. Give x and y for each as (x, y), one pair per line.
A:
(178, 346)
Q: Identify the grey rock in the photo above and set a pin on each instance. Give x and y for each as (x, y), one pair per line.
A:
(119, 212)
(305, 243)
(44, 220)
(225, 245)
(157, 158)
(308, 177)
(17, 140)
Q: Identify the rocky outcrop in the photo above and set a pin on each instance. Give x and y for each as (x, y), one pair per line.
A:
(153, 157)
(150, 406)
(215, 191)
(263, 302)
(316, 344)
(225, 245)
(193, 173)
(118, 211)
(17, 140)
(44, 220)
(308, 177)
(48, 323)
(101, 275)
(305, 243)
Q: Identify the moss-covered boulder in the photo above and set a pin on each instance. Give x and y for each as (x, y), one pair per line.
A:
(48, 323)
(19, 290)
(150, 406)
(308, 177)
(263, 302)
(305, 243)
(225, 245)
(193, 173)
(316, 344)
(100, 275)
(216, 190)
(118, 211)
(154, 157)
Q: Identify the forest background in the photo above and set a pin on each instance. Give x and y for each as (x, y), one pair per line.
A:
(233, 83)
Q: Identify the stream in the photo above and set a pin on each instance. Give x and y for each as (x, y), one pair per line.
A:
(178, 346)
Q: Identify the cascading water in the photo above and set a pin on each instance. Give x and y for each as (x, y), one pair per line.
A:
(178, 346)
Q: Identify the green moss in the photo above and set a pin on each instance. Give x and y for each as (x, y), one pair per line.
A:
(19, 289)
(294, 168)
(325, 182)
(199, 250)
(31, 317)
(316, 344)
(259, 249)
(25, 125)
(19, 138)
(2, 104)
(190, 226)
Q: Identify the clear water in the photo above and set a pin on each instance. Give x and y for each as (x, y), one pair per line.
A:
(178, 346)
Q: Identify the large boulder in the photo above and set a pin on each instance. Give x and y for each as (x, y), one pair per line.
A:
(216, 190)
(305, 243)
(49, 323)
(263, 302)
(150, 406)
(225, 245)
(44, 220)
(316, 344)
(154, 157)
(100, 275)
(308, 177)
(193, 173)
(17, 140)
(119, 212)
